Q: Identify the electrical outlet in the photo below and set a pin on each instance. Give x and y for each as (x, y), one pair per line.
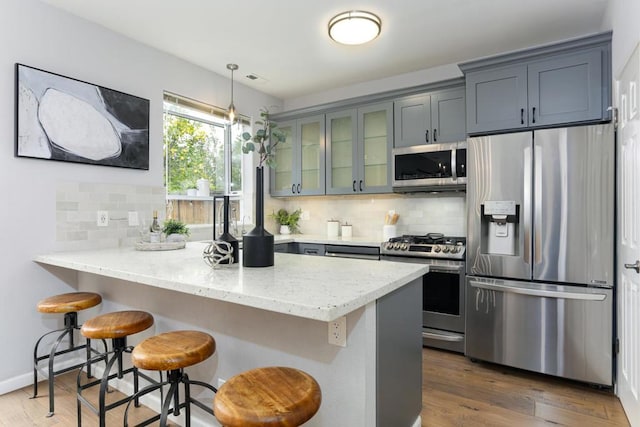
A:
(305, 216)
(338, 331)
(102, 218)
(133, 219)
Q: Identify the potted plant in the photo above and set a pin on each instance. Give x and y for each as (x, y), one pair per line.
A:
(288, 221)
(175, 230)
(257, 244)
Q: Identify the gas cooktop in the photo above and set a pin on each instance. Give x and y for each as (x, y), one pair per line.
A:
(432, 245)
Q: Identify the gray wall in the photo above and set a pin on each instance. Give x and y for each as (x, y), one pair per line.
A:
(38, 35)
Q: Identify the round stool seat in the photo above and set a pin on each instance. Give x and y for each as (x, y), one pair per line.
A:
(67, 303)
(173, 350)
(118, 324)
(267, 397)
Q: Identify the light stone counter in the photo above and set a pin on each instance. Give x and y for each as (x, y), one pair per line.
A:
(317, 288)
(324, 240)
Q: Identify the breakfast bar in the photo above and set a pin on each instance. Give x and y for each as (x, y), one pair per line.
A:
(279, 316)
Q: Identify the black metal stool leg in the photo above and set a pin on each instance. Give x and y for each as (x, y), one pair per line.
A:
(166, 405)
(54, 350)
(187, 398)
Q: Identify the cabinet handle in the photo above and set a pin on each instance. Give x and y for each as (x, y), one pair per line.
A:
(298, 188)
(426, 136)
(354, 186)
(435, 135)
(360, 185)
(522, 116)
(293, 189)
(534, 115)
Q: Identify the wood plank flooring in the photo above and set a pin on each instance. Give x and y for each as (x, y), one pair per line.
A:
(455, 392)
(458, 392)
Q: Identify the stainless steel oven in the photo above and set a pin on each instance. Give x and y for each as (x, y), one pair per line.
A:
(443, 287)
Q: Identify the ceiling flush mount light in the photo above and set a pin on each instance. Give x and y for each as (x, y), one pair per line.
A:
(354, 27)
(232, 108)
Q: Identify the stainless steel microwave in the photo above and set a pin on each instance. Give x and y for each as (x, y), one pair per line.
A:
(431, 167)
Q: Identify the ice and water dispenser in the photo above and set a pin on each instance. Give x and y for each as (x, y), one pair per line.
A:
(500, 228)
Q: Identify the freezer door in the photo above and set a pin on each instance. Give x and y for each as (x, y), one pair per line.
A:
(499, 170)
(574, 205)
(558, 330)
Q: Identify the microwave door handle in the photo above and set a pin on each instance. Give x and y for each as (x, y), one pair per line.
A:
(454, 172)
(526, 252)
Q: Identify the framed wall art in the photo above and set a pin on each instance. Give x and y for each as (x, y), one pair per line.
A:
(64, 119)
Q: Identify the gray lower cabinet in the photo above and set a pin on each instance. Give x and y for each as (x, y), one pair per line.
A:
(539, 89)
(358, 149)
(433, 117)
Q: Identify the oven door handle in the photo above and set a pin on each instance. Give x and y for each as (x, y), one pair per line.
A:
(446, 269)
(442, 337)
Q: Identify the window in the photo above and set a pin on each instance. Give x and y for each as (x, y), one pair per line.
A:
(199, 144)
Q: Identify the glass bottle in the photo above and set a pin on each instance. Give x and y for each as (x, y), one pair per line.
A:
(155, 230)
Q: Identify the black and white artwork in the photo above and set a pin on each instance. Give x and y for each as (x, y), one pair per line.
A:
(59, 118)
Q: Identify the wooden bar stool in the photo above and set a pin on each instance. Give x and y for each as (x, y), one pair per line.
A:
(116, 326)
(267, 397)
(172, 352)
(68, 304)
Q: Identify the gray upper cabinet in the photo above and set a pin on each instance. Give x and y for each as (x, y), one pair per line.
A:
(359, 149)
(497, 99)
(552, 85)
(412, 121)
(448, 115)
(428, 118)
(566, 89)
(300, 164)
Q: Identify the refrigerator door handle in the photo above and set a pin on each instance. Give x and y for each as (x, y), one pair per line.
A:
(538, 292)
(537, 203)
(526, 211)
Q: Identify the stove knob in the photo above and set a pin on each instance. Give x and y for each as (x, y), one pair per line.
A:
(388, 245)
(455, 250)
(445, 250)
(396, 246)
(437, 249)
(404, 247)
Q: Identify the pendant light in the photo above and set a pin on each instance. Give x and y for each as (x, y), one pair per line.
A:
(354, 27)
(232, 108)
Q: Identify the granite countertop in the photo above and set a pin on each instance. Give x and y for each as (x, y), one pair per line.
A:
(319, 288)
(323, 239)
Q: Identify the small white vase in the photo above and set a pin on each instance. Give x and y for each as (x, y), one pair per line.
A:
(284, 229)
(175, 238)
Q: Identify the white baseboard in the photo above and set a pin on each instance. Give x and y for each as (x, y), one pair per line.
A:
(418, 422)
(23, 380)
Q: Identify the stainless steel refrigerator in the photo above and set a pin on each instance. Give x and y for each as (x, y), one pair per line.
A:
(540, 250)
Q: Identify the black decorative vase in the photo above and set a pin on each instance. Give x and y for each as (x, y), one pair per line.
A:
(226, 236)
(257, 245)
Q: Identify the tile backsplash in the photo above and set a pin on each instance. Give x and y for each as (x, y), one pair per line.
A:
(419, 213)
(77, 206)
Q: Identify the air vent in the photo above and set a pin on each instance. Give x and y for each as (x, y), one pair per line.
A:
(256, 78)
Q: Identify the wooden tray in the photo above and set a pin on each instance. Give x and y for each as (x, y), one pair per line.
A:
(160, 246)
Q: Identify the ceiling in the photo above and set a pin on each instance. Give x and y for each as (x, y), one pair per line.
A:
(285, 42)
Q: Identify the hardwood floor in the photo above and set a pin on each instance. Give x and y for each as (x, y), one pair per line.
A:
(17, 409)
(458, 392)
(455, 392)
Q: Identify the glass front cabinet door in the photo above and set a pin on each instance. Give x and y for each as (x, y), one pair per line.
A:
(300, 165)
(359, 150)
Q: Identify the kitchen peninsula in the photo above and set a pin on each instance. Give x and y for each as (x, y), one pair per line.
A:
(278, 316)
